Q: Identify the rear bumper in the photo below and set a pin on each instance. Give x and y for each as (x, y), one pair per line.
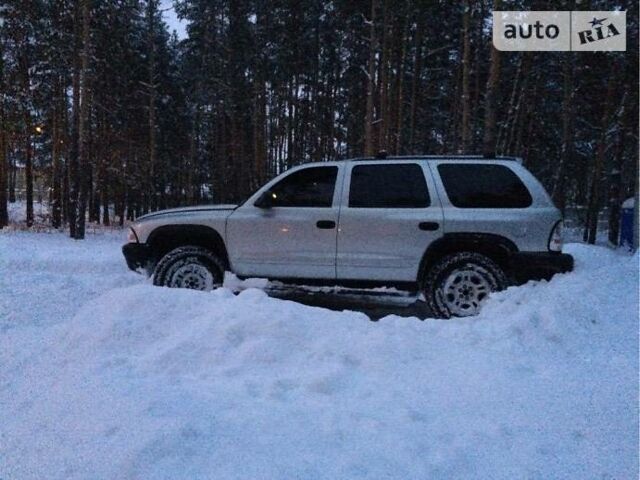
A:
(525, 266)
(137, 255)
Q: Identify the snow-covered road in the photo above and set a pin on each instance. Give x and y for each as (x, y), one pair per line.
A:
(103, 376)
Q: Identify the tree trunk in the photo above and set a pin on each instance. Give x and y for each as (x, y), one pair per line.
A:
(465, 134)
(415, 84)
(453, 121)
(636, 217)
(4, 171)
(615, 173)
(56, 194)
(83, 153)
(65, 195)
(4, 168)
(74, 171)
(511, 137)
(477, 61)
(399, 149)
(28, 145)
(12, 180)
(259, 117)
(558, 192)
(152, 87)
(64, 152)
(104, 192)
(373, 47)
(28, 166)
(507, 131)
(94, 195)
(515, 90)
(193, 154)
(489, 140)
(383, 119)
(615, 200)
(593, 208)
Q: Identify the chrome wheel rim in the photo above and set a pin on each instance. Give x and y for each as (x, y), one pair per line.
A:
(194, 276)
(465, 290)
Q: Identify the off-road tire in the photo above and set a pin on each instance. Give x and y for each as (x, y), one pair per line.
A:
(443, 274)
(187, 267)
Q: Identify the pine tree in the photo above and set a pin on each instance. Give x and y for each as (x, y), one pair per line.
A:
(4, 169)
(123, 117)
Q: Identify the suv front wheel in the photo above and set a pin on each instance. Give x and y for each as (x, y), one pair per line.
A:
(458, 284)
(189, 267)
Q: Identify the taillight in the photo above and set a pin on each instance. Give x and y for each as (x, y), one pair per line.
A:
(555, 239)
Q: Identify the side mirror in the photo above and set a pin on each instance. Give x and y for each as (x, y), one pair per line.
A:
(265, 200)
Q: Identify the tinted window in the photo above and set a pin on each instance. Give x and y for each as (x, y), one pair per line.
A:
(310, 187)
(388, 186)
(483, 186)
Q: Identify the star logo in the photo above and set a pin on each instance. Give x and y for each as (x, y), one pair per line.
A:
(597, 21)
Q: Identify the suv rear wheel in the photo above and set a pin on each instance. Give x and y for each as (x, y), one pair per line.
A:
(189, 267)
(458, 284)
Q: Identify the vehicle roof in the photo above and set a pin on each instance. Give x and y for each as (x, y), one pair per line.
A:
(437, 157)
(479, 158)
(391, 158)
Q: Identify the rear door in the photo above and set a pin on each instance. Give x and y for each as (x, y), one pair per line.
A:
(390, 214)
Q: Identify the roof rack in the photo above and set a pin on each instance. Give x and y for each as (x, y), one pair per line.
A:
(437, 157)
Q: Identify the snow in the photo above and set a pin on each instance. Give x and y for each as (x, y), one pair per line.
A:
(17, 212)
(104, 376)
(45, 277)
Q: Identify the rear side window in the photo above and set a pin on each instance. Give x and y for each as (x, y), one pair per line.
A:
(483, 186)
(388, 186)
(310, 187)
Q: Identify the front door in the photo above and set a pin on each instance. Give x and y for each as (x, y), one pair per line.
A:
(296, 236)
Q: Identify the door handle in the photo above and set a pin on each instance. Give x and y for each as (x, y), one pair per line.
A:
(326, 224)
(429, 226)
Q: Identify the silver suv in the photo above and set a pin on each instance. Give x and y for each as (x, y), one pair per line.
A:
(454, 228)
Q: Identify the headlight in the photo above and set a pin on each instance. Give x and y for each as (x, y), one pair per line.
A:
(132, 237)
(555, 239)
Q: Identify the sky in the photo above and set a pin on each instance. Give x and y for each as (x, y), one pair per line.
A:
(169, 15)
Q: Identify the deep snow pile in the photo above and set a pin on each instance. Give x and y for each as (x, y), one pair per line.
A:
(144, 382)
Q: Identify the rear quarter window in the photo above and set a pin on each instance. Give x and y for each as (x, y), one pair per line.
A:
(483, 186)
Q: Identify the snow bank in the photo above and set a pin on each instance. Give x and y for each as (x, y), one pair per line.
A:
(46, 277)
(149, 383)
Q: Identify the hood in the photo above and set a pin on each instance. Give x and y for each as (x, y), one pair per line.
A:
(182, 210)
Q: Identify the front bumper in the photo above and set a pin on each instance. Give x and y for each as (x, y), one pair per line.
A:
(525, 266)
(137, 255)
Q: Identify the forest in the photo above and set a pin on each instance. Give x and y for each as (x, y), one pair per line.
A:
(107, 114)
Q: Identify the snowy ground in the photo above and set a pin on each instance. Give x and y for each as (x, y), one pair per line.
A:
(103, 376)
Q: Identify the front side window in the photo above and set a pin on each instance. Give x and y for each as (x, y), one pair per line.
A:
(483, 186)
(388, 186)
(310, 187)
